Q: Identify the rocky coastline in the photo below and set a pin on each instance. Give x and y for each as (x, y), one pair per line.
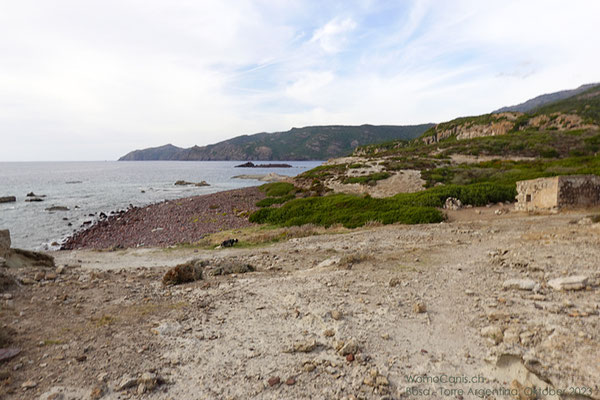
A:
(168, 223)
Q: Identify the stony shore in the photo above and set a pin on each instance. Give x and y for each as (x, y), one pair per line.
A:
(171, 222)
(337, 316)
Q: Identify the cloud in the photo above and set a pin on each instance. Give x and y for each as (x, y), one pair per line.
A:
(331, 36)
(94, 79)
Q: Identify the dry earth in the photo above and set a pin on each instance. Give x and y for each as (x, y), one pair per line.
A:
(345, 316)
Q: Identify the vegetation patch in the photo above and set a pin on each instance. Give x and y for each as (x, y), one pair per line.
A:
(368, 179)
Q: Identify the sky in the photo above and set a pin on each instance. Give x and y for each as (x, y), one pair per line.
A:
(93, 80)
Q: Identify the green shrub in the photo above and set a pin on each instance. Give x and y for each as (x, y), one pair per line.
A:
(278, 189)
(269, 201)
(407, 208)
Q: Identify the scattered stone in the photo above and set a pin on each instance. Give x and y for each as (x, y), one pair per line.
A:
(274, 381)
(419, 308)
(39, 276)
(305, 347)
(328, 262)
(147, 382)
(290, 381)
(29, 385)
(8, 199)
(80, 358)
(493, 333)
(576, 282)
(337, 315)
(126, 382)
(309, 367)
(453, 204)
(329, 333)
(520, 284)
(350, 357)
(98, 392)
(395, 282)
(51, 276)
(33, 199)
(60, 269)
(350, 347)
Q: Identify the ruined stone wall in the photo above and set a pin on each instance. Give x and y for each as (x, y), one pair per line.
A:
(579, 191)
(537, 194)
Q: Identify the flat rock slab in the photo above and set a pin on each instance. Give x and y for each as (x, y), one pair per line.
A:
(8, 353)
(520, 284)
(576, 282)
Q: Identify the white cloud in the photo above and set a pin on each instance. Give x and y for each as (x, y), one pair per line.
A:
(331, 36)
(94, 79)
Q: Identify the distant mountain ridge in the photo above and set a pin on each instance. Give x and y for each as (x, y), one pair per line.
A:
(544, 99)
(308, 143)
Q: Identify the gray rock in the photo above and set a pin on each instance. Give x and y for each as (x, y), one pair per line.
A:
(8, 199)
(4, 239)
(576, 282)
(520, 284)
(453, 204)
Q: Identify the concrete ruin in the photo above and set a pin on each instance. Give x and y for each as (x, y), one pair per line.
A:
(553, 194)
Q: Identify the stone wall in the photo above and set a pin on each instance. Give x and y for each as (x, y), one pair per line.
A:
(551, 194)
(579, 191)
(537, 194)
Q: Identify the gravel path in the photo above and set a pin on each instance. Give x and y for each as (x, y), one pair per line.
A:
(171, 222)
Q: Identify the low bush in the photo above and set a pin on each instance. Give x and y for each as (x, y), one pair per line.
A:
(269, 201)
(278, 189)
(408, 208)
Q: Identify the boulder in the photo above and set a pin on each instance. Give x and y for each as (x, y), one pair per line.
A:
(8, 199)
(4, 239)
(33, 199)
(183, 273)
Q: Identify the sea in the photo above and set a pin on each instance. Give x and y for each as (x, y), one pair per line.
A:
(89, 188)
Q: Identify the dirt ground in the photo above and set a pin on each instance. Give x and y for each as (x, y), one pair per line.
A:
(468, 309)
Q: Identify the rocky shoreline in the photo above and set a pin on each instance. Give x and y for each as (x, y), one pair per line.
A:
(171, 222)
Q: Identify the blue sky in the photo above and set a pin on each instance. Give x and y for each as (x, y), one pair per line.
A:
(92, 80)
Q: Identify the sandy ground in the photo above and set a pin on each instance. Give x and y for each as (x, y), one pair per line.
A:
(347, 316)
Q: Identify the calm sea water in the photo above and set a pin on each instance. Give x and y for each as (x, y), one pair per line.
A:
(93, 187)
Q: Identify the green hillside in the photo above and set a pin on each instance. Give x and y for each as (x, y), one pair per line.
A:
(308, 143)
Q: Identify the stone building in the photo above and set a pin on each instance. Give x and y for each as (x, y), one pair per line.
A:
(552, 194)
